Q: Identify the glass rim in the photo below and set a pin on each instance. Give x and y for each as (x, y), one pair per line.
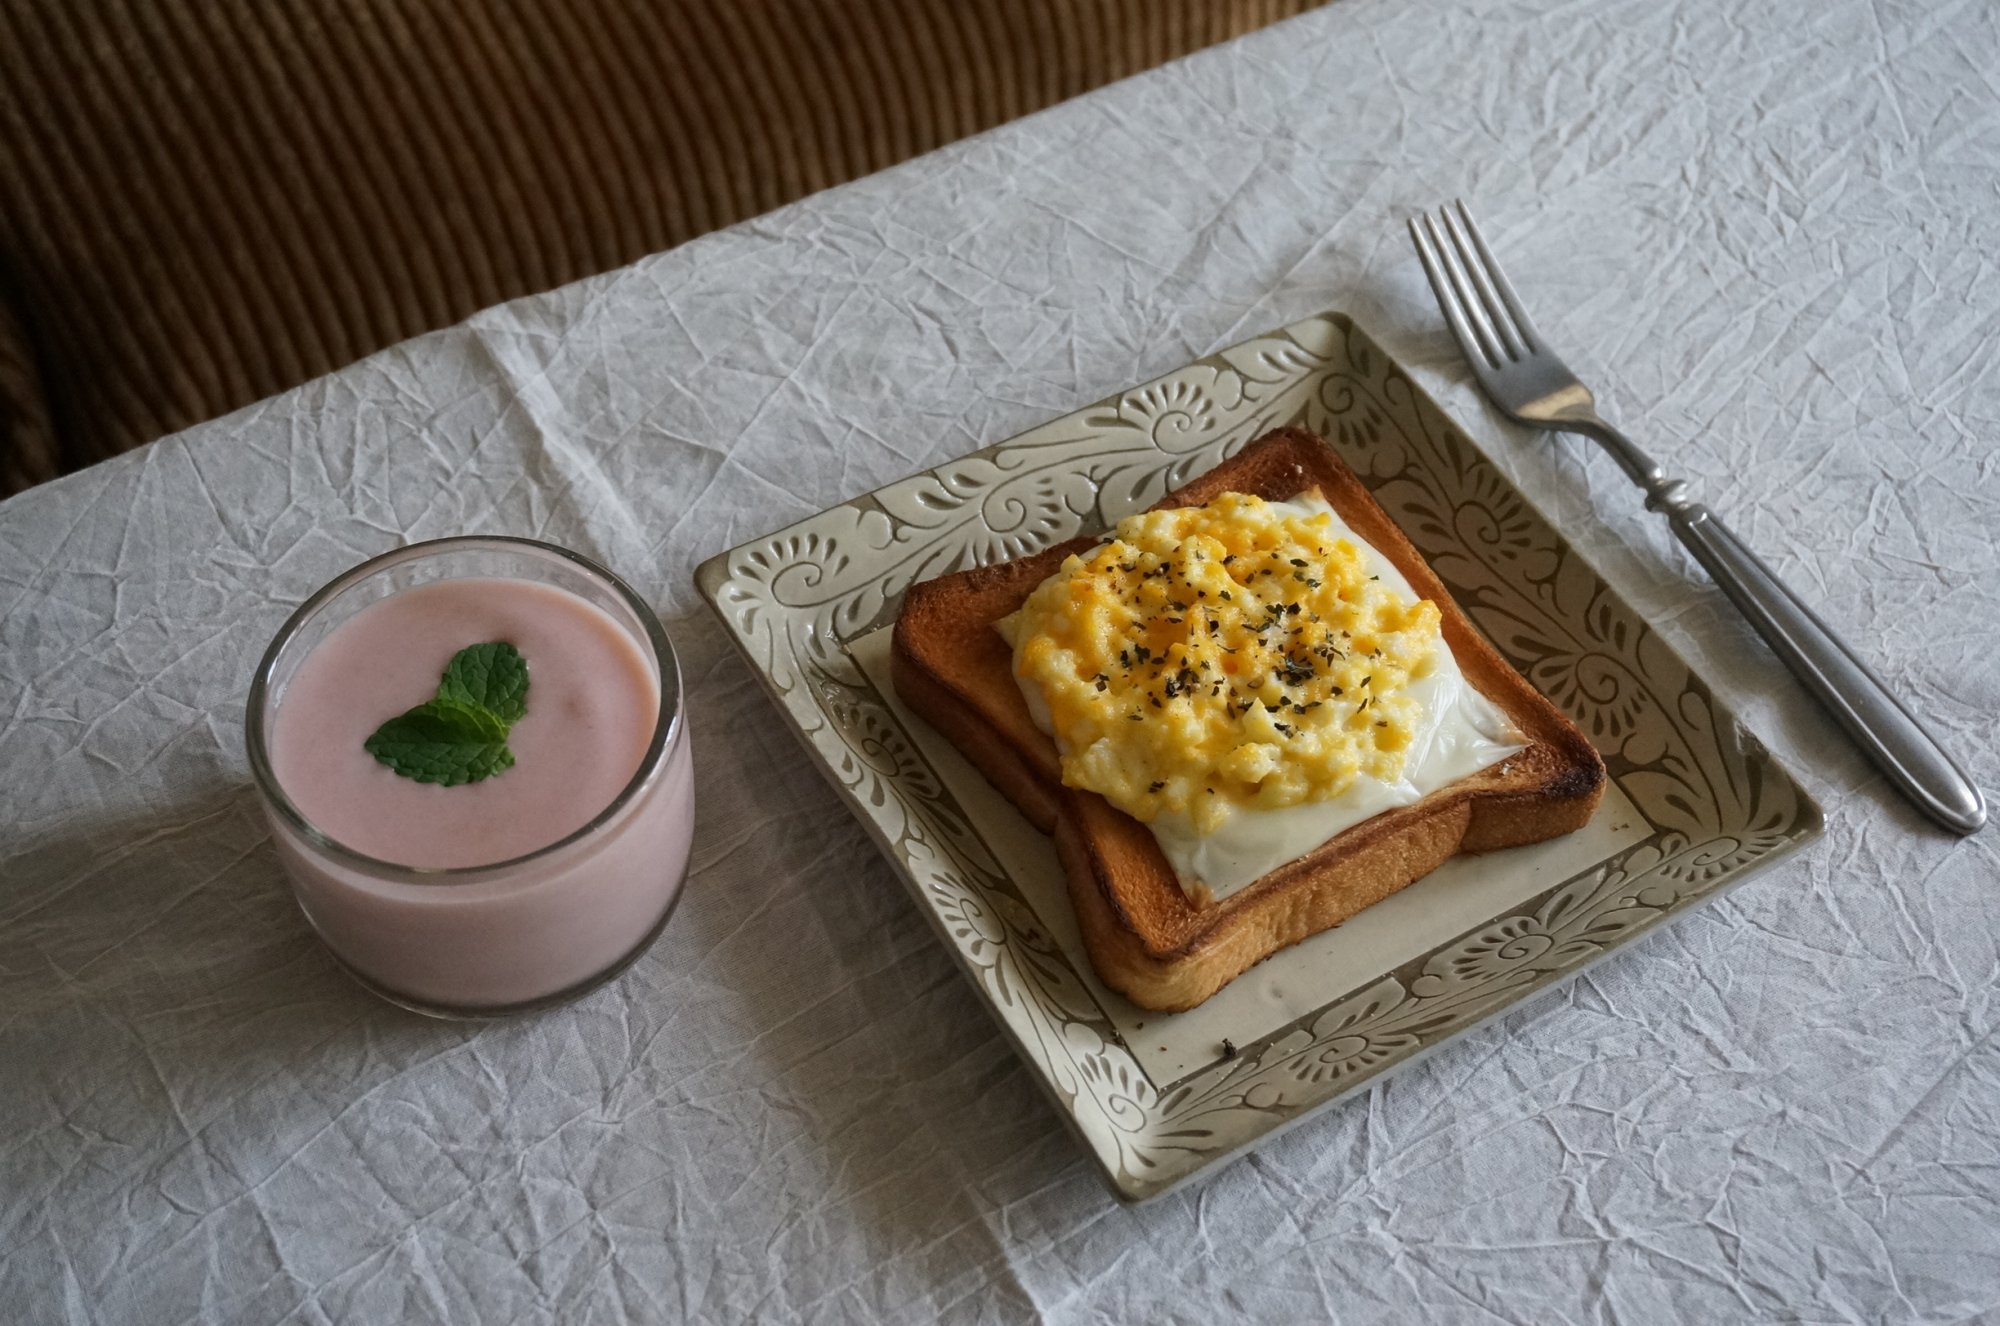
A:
(666, 727)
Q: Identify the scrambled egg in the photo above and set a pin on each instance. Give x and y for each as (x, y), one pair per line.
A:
(1236, 656)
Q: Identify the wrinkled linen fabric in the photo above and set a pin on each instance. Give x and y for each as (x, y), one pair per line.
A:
(1765, 232)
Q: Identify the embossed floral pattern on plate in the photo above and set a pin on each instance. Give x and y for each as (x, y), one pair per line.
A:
(1718, 805)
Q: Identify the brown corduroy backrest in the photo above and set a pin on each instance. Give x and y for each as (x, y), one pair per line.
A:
(203, 202)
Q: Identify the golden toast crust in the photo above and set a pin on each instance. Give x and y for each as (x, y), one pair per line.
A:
(1146, 938)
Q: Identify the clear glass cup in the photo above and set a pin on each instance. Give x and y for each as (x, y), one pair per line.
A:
(518, 935)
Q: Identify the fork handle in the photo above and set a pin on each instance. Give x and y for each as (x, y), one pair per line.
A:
(1840, 681)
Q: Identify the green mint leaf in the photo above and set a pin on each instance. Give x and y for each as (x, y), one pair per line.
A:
(460, 735)
(493, 677)
(443, 741)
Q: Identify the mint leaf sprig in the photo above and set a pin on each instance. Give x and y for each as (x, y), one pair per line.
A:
(460, 734)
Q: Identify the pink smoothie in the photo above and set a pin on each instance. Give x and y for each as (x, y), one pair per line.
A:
(592, 700)
(511, 933)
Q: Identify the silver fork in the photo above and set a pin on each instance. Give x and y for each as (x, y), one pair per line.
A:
(1533, 387)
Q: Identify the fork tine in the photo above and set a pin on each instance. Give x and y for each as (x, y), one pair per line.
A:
(1468, 293)
(1450, 303)
(1531, 340)
(1512, 346)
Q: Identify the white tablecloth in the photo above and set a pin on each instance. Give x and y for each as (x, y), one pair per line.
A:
(1767, 231)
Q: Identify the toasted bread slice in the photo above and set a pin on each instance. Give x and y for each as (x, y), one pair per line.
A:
(1145, 936)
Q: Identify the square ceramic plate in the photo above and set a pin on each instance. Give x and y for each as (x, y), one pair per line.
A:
(1696, 805)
